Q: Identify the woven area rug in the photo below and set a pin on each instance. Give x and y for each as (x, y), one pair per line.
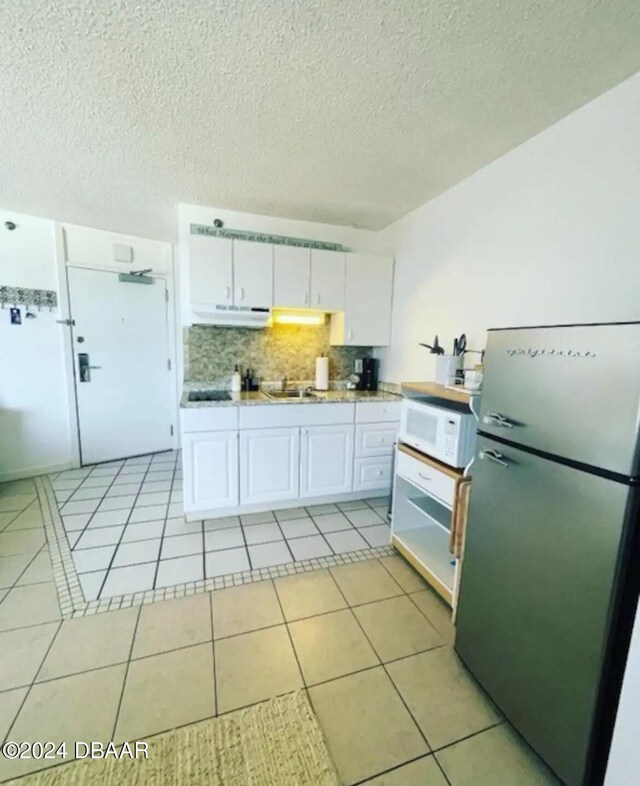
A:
(277, 743)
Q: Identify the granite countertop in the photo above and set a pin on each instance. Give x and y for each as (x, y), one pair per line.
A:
(258, 398)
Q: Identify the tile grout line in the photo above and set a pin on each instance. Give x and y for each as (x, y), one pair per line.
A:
(396, 767)
(286, 624)
(102, 499)
(109, 567)
(164, 528)
(213, 655)
(126, 673)
(33, 682)
(422, 734)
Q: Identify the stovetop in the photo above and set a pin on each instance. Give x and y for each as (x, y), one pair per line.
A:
(209, 395)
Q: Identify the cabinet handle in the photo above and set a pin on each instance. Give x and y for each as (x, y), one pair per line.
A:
(304, 432)
(496, 419)
(228, 290)
(349, 334)
(306, 298)
(241, 293)
(493, 455)
(424, 477)
(317, 300)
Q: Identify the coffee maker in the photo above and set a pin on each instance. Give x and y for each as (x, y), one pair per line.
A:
(367, 371)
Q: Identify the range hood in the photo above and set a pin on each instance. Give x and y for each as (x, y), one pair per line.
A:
(230, 316)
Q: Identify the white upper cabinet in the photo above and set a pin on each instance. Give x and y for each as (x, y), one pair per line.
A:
(366, 320)
(291, 276)
(253, 274)
(327, 280)
(210, 270)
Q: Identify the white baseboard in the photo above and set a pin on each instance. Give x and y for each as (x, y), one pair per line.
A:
(31, 472)
(213, 513)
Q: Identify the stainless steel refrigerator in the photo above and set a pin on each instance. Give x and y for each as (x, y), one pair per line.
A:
(551, 570)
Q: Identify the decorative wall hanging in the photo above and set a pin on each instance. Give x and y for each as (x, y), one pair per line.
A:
(263, 237)
(20, 296)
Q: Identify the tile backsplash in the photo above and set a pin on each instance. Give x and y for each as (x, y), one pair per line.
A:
(211, 353)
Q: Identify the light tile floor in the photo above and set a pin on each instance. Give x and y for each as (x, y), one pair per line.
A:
(368, 641)
(127, 533)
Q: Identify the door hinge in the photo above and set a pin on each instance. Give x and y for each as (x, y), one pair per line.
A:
(169, 364)
(171, 430)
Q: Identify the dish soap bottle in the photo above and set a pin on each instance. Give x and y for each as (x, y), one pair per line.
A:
(235, 381)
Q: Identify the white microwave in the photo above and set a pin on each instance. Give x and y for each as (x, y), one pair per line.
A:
(444, 434)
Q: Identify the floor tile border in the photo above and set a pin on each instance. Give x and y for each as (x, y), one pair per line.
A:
(73, 604)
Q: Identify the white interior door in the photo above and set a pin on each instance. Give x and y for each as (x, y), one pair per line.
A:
(121, 334)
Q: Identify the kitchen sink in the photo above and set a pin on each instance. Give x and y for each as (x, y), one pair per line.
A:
(289, 394)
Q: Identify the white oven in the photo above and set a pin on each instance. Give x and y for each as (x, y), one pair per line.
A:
(444, 434)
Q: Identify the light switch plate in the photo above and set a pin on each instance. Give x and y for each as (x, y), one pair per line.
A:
(122, 253)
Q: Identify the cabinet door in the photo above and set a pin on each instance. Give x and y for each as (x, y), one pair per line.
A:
(210, 271)
(327, 280)
(269, 460)
(367, 307)
(291, 274)
(253, 274)
(326, 460)
(210, 462)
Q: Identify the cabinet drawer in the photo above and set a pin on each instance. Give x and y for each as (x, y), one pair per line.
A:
(372, 473)
(375, 439)
(209, 419)
(276, 415)
(426, 477)
(377, 411)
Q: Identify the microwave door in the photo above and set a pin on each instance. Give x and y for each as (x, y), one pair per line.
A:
(422, 429)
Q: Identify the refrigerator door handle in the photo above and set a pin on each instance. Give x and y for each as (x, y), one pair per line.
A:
(496, 419)
(495, 456)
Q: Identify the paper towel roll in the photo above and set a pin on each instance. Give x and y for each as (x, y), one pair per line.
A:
(322, 373)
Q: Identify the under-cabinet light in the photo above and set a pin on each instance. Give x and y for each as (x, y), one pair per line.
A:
(298, 318)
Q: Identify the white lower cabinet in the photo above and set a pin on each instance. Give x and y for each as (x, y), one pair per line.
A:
(269, 465)
(326, 460)
(255, 457)
(210, 470)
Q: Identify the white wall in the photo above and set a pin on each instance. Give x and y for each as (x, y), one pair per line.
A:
(34, 421)
(624, 757)
(549, 233)
(38, 431)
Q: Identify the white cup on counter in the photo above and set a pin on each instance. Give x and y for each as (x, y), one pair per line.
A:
(473, 379)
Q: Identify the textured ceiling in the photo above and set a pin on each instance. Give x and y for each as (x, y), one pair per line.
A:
(341, 111)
